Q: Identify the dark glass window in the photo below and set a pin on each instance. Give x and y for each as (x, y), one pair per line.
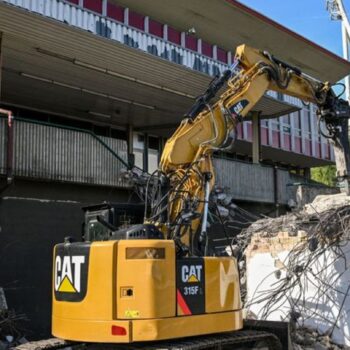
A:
(93, 5)
(116, 12)
(155, 28)
(153, 142)
(136, 20)
(174, 36)
(191, 42)
(207, 49)
(222, 55)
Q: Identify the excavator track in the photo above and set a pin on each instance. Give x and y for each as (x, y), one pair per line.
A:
(217, 341)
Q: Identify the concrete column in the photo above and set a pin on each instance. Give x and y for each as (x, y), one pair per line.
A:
(275, 190)
(229, 58)
(215, 52)
(281, 131)
(313, 131)
(145, 153)
(146, 24)
(183, 39)
(104, 7)
(302, 116)
(245, 131)
(256, 144)
(165, 32)
(292, 131)
(269, 139)
(307, 173)
(130, 144)
(199, 46)
(126, 16)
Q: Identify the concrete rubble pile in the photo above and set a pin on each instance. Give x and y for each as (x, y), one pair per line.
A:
(297, 268)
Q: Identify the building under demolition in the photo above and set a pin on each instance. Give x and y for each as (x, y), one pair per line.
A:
(91, 83)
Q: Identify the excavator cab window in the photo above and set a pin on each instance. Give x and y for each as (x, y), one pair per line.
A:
(103, 220)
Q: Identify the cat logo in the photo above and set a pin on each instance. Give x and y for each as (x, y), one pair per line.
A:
(68, 273)
(71, 266)
(238, 107)
(191, 273)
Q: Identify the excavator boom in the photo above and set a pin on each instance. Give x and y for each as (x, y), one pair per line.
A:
(186, 159)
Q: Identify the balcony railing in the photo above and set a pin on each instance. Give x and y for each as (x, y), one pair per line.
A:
(257, 183)
(58, 153)
(122, 33)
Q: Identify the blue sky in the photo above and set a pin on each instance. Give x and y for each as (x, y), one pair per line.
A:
(306, 17)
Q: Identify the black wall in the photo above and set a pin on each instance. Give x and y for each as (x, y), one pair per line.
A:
(33, 218)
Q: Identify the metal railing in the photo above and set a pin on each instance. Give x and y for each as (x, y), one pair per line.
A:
(122, 33)
(246, 181)
(257, 183)
(60, 153)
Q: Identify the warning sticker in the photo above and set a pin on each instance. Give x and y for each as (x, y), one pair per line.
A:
(132, 314)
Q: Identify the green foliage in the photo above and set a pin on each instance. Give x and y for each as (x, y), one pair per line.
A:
(325, 175)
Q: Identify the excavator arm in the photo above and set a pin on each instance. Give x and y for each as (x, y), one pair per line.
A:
(186, 161)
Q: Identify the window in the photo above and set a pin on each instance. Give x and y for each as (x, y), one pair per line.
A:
(275, 124)
(285, 124)
(116, 12)
(93, 5)
(285, 119)
(207, 49)
(191, 42)
(296, 124)
(222, 55)
(139, 147)
(174, 36)
(136, 20)
(118, 134)
(306, 122)
(264, 123)
(153, 142)
(296, 120)
(155, 28)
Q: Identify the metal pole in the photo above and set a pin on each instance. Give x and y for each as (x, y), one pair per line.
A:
(256, 144)
(345, 40)
(337, 12)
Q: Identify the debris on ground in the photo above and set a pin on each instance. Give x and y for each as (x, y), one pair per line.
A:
(308, 338)
(11, 333)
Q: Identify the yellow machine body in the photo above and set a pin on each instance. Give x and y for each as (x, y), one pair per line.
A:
(136, 290)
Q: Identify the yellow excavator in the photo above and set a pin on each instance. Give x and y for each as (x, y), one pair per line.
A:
(159, 285)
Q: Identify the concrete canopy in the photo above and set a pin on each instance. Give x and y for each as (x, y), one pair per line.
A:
(228, 23)
(43, 70)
